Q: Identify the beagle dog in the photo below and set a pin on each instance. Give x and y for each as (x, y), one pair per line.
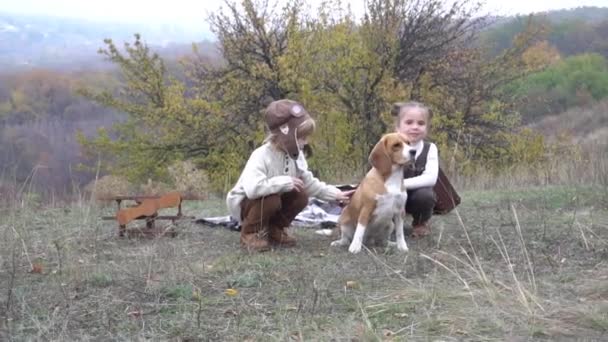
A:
(378, 205)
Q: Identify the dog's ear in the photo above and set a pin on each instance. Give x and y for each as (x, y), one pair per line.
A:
(379, 157)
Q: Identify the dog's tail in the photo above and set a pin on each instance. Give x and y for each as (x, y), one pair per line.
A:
(325, 232)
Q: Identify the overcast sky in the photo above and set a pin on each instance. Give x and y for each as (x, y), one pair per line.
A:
(192, 13)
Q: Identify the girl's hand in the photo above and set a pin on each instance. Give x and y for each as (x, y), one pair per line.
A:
(298, 184)
(344, 196)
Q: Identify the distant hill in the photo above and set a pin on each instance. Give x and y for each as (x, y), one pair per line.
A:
(60, 43)
(573, 31)
(587, 125)
(587, 14)
(29, 41)
(590, 15)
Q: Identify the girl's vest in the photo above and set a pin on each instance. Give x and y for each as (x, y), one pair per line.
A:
(447, 197)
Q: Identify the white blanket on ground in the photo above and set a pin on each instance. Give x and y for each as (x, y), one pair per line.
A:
(317, 214)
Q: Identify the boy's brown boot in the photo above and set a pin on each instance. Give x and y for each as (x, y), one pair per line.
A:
(255, 242)
(280, 237)
(421, 230)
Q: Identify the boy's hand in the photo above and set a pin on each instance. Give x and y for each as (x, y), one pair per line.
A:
(298, 184)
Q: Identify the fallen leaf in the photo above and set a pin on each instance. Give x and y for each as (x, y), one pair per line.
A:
(231, 292)
(36, 268)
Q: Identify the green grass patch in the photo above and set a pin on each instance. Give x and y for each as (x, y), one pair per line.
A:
(100, 280)
(535, 270)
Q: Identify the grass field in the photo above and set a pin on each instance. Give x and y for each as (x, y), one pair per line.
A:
(525, 264)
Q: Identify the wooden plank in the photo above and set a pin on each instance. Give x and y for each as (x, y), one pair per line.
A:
(149, 207)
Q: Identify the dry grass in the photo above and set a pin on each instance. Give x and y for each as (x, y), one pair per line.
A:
(585, 124)
(575, 153)
(568, 165)
(517, 265)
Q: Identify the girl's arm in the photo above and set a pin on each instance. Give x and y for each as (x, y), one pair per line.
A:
(313, 186)
(428, 178)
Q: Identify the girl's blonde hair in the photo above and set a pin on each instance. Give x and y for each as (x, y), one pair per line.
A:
(305, 129)
(401, 107)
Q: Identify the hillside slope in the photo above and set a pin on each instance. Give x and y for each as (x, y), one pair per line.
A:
(585, 125)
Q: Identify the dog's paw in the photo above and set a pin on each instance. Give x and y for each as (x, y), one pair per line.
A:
(402, 246)
(337, 243)
(354, 248)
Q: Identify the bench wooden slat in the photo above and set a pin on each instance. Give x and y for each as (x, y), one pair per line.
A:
(147, 209)
(142, 197)
(162, 217)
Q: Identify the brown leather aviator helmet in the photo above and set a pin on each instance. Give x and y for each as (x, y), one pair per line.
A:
(283, 117)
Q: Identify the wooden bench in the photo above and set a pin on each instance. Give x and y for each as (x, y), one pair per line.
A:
(147, 209)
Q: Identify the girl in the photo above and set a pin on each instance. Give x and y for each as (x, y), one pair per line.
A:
(276, 183)
(413, 120)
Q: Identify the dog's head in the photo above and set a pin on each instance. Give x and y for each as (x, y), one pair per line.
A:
(393, 149)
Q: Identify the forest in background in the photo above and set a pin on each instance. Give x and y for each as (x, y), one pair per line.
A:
(490, 82)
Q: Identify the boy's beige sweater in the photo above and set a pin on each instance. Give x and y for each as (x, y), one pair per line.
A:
(269, 170)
